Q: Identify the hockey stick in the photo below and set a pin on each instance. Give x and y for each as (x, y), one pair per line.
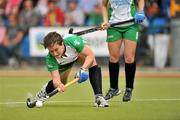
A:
(32, 103)
(98, 27)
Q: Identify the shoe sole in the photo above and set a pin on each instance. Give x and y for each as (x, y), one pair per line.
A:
(126, 100)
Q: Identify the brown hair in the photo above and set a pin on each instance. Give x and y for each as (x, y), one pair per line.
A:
(52, 38)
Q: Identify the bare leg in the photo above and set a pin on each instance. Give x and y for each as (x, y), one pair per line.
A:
(130, 68)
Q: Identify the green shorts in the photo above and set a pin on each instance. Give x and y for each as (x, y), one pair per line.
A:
(126, 32)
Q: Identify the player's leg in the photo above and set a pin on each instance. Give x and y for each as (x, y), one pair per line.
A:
(130, 44)
(114, 44)
(95, 78)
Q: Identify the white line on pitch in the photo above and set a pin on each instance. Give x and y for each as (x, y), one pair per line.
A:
(144, 100)
(86, 101)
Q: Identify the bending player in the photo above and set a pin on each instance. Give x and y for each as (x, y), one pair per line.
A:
(63, 53)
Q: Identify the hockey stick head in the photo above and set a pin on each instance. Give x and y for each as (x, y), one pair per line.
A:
(30, 103)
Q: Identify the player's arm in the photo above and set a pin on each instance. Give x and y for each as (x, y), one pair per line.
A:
(84, 51)
(53, 67)
(105, 10)
(57, 81)
(105, 13)
(86, 57)
(140, 5)
(140, 16)
(89, 57)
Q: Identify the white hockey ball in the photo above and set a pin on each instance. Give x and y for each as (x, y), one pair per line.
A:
(39, 104)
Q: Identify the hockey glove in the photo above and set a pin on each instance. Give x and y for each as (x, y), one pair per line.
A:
(139, 17)
(82, 74)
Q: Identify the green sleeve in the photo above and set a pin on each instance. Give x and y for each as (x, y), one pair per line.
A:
(51, 63)
(75, 42)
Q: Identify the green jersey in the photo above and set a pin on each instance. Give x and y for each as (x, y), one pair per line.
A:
(121, 10)
(73, 46)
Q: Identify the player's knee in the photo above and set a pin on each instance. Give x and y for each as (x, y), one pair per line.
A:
(129, 59)
(114, 59)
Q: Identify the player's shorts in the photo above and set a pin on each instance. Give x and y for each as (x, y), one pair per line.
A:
(126, 32)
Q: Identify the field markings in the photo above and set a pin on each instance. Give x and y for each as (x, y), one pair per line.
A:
(88, 101)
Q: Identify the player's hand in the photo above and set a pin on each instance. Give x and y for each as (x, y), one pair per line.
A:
(139, 17)
(61, 87)
(104, 26)
(82, 74)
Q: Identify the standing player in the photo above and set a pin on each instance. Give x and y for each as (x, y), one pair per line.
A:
(127, 34)
(63, 53)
